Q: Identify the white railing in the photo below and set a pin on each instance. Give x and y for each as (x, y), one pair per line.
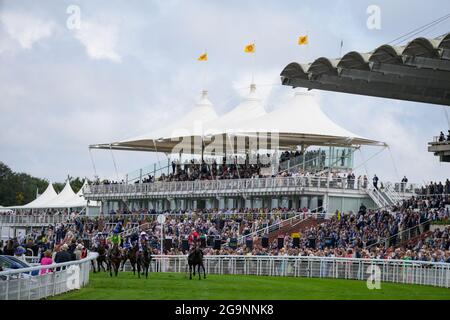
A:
(20, 284)
(377, 197)
(236, 185)
(34, 219)
(298, 218)
(400, 271)
(217, 186)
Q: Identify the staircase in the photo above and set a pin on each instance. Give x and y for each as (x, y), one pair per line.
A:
(137, 229)
(298, 226)
(385, 197)
(406, 237)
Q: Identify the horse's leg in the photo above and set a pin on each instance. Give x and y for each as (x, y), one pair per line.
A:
(190, 272)
(109, 264)
(138, 264)
(100, 264)
(193, 267)
(123, 263)
(93, 265)
(204, 271)
(146, 271)
(133, 265)
(199, 273)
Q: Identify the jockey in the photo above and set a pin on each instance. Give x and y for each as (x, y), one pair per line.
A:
(97, 239)
(118, 228)
(194, 237)
(143, 240)
(116, 239)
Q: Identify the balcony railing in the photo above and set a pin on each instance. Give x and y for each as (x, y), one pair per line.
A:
(232, 185)
(30, 220)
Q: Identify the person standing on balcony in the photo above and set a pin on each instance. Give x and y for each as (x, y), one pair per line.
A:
(404, 182)
(173, 167)
(375, 182)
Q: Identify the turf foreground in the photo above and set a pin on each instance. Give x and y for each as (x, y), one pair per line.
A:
(176, 286)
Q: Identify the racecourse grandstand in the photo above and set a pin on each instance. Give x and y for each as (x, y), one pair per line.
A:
(407, 230)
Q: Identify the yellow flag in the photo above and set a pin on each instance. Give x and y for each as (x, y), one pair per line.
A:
(250, 48)
(303, 40)
(203, 57)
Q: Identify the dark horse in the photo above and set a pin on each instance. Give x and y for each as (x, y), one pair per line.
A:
(143, 259)
(195, 258)
(114, 259)
(100, 259)
(130, 254)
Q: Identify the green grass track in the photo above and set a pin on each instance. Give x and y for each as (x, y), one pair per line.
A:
(234, 287)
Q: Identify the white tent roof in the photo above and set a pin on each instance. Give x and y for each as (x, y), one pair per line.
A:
(300, 120)
(60, 201)
(245, 112)
(50, 199)
(78, 199)
(48, 195)
(3, 209)
(192, 124)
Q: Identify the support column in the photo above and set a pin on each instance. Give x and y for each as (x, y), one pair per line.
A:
(275, 203)
(285, 202)
(230, 203)
(304, 202)
(314, 203)
(295, 202)
(325, 202)
(248, 202)
(221, 202)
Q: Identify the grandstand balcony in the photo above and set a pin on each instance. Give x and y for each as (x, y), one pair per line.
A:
(440, 149)
(33, 220)
(230, 187)
(269, 192)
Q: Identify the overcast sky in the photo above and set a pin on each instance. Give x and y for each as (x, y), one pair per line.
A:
(132, 66)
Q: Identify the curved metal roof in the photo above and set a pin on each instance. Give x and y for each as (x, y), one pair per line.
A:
(419, 71)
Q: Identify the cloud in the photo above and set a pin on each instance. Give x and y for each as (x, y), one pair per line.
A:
(100, 39)
(155, 78)
(24, 29)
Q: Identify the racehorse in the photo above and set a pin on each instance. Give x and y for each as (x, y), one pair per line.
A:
(130, 254)
(114, 259)
(195, 258)
(143, 259)
(100, 259)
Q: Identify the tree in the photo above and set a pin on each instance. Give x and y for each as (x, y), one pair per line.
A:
(21, 188)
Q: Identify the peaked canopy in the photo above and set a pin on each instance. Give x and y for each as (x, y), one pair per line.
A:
(40, 202)
(61, 200)
(165, 139)
(301, 121)
(3, 209)
(245, 112)
(78, 199)
(65, 199)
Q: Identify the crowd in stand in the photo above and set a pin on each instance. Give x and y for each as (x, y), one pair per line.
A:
(238, 167)
(366, 233)
(442, 137)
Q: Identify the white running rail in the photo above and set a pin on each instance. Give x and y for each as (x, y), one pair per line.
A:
(19, 284)
(399, 271)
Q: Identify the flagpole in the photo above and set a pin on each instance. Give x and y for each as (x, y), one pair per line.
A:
(308, 56)
(205, 72)
(253, 63)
